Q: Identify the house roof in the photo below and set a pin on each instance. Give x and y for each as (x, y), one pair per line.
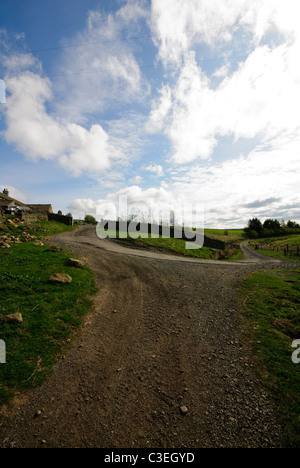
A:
(4, 204)
(41, 208)
(6, 199)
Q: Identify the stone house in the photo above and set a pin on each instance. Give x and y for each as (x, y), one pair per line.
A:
(32, 212)
(41, 208)
(6, 201)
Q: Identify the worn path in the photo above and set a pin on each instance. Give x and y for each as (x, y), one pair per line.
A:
(164, 335)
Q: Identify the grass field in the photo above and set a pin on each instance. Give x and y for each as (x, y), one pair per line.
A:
(52, 313)
(226, 235)
(272, 309)
(274, 247)
(180, 247)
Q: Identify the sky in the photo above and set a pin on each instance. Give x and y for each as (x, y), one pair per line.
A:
(163, 103)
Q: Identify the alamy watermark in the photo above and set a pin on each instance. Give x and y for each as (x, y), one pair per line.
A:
(2, 92)
(123, 219)
(296, 353)
(2, 352)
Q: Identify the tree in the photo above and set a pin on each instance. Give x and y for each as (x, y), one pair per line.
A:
(272, 224)
(89, 219)
(255, 224)
(292, 225)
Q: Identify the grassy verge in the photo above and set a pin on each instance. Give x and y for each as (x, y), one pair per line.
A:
(274, 247)
(272, 306)
(176, 246)
(52, 313)
(237, 256)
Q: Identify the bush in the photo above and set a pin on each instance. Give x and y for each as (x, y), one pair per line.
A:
(89, 219)
(252, 234)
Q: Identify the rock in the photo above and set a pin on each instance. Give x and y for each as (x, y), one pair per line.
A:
(183, 410)
(38, 243)
(5, 245)
(54, 248)
(60, 278)
(11, 318)
(9, 221)
(76, 263)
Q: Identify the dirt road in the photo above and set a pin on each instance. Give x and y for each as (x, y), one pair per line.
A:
(160, 362)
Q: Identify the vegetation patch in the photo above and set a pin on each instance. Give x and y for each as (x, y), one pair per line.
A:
(284, 248)
(226, 235)
(272, 309)
(175, 246)
(51, 312)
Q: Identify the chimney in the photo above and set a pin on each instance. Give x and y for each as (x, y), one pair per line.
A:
(6, 192)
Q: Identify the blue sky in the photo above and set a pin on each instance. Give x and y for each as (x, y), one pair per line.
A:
(165, 102)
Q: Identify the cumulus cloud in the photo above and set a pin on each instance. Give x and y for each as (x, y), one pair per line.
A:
(123, 202)
(39, 135)
(230, 190)
(179, 25)
(259, 98)
(154, 204)
(49, 117)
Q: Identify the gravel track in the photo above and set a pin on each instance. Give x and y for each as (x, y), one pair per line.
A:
(159, 363)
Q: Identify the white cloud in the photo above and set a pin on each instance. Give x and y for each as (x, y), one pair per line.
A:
(101, 69)
(160, 110)
(39, 135)
(156, 169)
(179, 25)
(227, 188)
(258, 99)
(227, 191)
(136, 180)
(49, 119)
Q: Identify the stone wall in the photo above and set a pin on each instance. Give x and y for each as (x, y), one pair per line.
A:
(32, 217)
(68, 220)
(36, 216)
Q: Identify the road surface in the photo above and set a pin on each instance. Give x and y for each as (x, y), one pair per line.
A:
(160, 363)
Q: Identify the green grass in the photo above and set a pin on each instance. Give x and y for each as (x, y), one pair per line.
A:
(39, 229)
(272, 307)
(164, 244)
(176, 246)
(226, 235)
(274, 246)
(52, 313)
(237, 256)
